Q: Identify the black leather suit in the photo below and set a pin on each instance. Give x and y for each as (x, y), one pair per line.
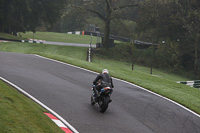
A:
(105, 80)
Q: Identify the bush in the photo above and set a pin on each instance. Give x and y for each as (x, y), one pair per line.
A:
(167, 57)
(121, 51)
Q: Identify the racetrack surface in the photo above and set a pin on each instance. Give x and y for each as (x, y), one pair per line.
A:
(69, 44)
(66, 90)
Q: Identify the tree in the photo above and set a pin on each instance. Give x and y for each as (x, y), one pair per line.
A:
(24, 15)
(71, 20)
(177, 22)
(110, 12)
(191, 20)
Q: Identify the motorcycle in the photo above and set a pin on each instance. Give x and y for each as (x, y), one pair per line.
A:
(103, 100)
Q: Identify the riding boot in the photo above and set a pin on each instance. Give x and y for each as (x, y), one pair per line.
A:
(96, 92)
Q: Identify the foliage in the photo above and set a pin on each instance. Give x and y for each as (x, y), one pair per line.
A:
(175, 22)
(11, 37)
(123, 27)
(75, 19)
(72, 20)
(168, 56)
(120, 52)
(26, 15)
(112, 10)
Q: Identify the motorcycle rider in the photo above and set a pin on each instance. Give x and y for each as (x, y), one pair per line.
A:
(105, 80)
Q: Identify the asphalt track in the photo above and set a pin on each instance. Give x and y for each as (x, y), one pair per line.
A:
(69, 44)
(66, 90)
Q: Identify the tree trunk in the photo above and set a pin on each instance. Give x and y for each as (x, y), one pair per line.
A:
(196, 64)
(132, 64)
(107, 23)
(106, 34)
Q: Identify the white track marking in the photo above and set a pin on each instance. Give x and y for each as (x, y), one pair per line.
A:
(125, 82)
(41, 104)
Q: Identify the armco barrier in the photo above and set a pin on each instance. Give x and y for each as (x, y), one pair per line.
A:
(77, 32)
(99, 34)
(34, 41)
(195, 83)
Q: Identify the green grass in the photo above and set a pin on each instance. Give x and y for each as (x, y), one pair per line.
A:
(8, 36)
(59, 37)
(164, 85)
(19, 114)
(69, 53)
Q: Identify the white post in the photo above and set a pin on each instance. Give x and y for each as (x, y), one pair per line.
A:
(89, 54)
(89, 51)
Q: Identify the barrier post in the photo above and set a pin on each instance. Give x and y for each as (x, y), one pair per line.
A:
(89, 50)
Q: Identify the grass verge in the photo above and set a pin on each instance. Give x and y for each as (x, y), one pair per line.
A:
(164, 85)
(10, 37)
(19, 114)
(59, 37)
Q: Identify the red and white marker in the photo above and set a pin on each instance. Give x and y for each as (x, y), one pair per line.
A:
(58, 123)
(4, 41)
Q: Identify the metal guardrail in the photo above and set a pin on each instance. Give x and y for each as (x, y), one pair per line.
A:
(195, 83)
(138, 43)
(99, 34)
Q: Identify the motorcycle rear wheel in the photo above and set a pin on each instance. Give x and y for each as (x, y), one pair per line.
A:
(103, 104)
